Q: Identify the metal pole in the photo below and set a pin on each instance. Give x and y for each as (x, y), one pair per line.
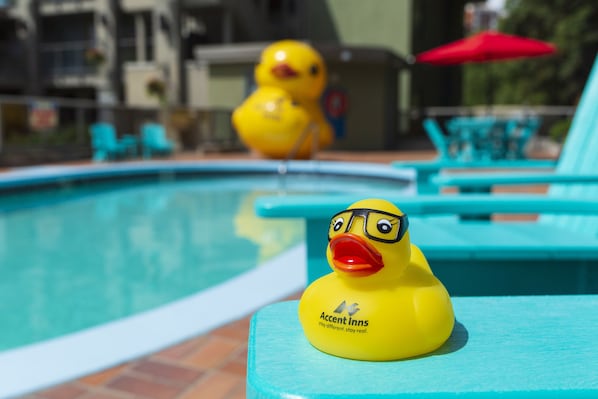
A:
(80, 124)
(1, 128)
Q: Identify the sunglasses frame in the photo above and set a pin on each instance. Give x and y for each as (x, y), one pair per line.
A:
(364, 212)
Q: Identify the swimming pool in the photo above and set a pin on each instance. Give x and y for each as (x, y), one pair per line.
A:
(102, 251)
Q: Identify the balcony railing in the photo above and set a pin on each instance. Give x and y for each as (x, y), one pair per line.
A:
(67, 58)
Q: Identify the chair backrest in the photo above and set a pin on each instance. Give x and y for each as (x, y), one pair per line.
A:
(153, 135)
(438, 138)
(580, 155)
(103, 135)
(579, 151)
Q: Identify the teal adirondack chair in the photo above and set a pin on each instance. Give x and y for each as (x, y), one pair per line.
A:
(556, 254)
(106, 146)
(444, 143)
(518, 135)
(154, 140)
(507, 341)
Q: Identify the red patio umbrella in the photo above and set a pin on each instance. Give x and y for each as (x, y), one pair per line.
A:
(484, 47)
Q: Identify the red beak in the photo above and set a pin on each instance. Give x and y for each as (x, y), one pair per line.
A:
(284, 71)
(352, 254)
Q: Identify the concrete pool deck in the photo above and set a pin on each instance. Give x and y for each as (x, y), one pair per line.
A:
(211, 365)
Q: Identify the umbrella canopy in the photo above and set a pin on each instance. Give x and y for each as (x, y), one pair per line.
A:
(485, 46)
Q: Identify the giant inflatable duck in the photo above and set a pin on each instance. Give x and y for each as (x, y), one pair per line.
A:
(382, 301)
(290, 78)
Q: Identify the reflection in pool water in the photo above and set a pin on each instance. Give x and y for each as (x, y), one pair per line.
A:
(80, 256)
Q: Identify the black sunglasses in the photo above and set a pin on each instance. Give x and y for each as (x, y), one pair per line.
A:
(377, 225)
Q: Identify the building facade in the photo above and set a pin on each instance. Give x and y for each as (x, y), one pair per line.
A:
(109, 50)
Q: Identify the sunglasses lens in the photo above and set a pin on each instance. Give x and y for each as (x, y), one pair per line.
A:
(339, 223)
(383, 227)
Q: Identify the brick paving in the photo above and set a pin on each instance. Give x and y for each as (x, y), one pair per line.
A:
(212, 365)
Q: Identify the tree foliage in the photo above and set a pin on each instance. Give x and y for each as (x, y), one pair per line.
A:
(572, 25)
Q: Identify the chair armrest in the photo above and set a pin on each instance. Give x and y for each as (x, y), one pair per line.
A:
(483, 182)
(426, 170)
(324, 206)
(437, 165)
(507, 347)
(317, 211)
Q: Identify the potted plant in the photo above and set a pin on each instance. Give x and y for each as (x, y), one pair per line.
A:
(156, 87)
(94, 56)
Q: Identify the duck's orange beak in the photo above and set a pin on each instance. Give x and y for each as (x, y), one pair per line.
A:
(284, 71)
(352, 254)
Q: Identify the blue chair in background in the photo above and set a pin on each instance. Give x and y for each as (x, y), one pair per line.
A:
(462, 151)
(446, 145)
(476, 137)
(106, 146)
(577, 162)
(518, 134)
(154, 140)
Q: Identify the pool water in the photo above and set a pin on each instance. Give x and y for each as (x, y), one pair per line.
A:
(82, 255)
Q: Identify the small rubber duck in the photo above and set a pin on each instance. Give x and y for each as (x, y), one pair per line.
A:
(298, 73)
(381, 302)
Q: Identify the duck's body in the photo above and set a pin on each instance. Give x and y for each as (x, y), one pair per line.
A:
(290, 78)
(270, 122)
(384, 312)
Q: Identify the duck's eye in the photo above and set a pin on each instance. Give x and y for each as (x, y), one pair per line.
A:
(337, 224)
(314, 70)
(384, 226)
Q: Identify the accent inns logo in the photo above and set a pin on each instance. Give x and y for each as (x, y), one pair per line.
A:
(338, 321)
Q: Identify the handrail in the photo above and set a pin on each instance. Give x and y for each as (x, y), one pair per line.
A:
(311, 127)
(499, 110)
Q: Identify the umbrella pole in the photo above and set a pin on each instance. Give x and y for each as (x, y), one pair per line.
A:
(489, 86)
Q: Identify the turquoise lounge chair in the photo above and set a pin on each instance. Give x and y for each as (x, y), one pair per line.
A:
(106, 146)
(518, 135)
(563, 246)
(445, 144)
(154, 141)
(535, 346)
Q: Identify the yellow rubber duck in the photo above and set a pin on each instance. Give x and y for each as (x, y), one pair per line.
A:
(290, 76)
(270, 122)
(382, 301)
(293, 66)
